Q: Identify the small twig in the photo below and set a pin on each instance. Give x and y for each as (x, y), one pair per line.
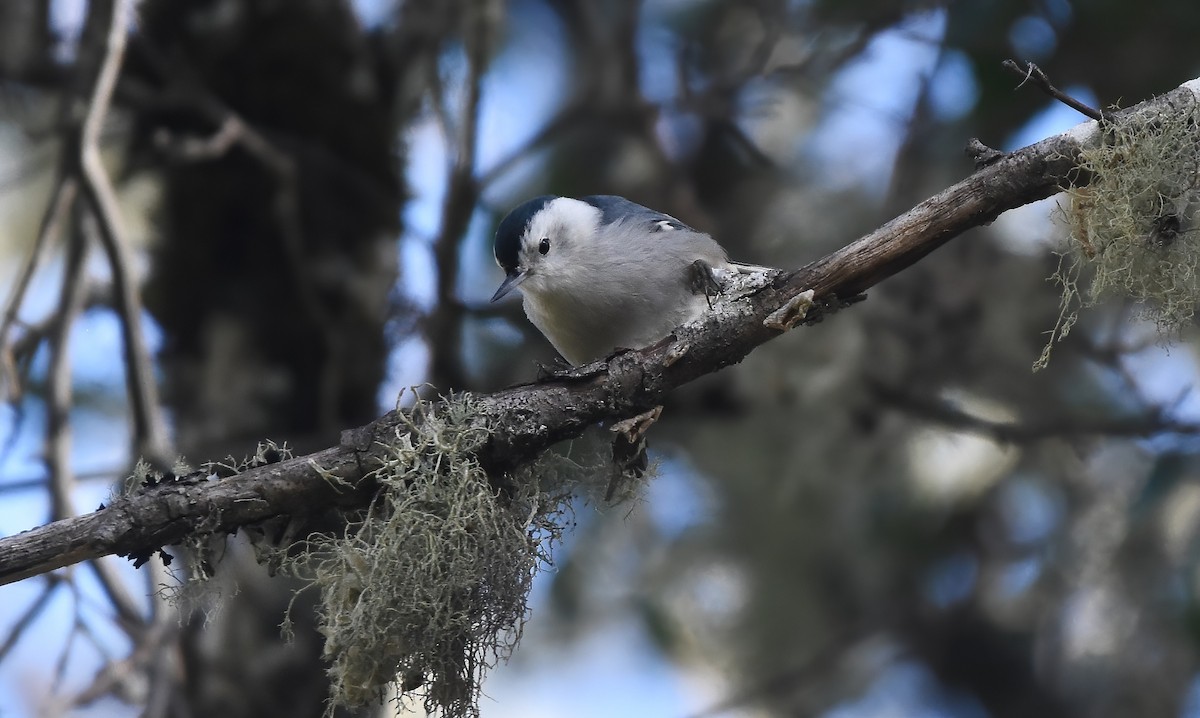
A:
(162, 669)
(20, 352)
(30, 615)
(60, 665)
(567, 119)
(149, 428)
(58, 382)
(231, 131)
(1032, 72)
(442, 116)
(32, 335)
(743, 142)
(982, 154)
(145, 658)
(1154, 422)
(58, 422)
(131, 618)
(462, 192)
(52, 224)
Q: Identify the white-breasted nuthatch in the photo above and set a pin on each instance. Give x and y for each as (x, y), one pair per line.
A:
(600, 272)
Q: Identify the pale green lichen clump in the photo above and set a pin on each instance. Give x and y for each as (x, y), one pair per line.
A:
(1134, 227)
(428, 588)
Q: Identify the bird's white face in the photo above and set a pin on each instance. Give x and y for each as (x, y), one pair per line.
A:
(564, 226)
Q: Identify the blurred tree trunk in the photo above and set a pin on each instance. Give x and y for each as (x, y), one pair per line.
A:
(271, 280)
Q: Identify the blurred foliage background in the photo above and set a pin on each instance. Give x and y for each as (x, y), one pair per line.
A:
(886, 514)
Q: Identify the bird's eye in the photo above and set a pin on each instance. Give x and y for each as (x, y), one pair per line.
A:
(544, 245)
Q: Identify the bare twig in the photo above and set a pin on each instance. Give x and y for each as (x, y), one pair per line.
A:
(442, 115)
(32, 335)
(28, 483)
(1033, 73)
(53, 220)
(14, 356)
(981, 153)
(58, 422)
(148, 426)
(462, 191)
(30, 615)
(131, 617)
(566, 120)
(58, 383)
(230, 132)
(1156, 422)
(144, 659)
(60, 665)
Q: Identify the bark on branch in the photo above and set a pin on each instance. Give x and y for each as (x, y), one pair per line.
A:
(529, 418)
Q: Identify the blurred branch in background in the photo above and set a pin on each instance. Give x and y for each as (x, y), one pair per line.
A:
(12, 355)
(1160, 421)
(81, 166)
(149, 429)
(444, 326)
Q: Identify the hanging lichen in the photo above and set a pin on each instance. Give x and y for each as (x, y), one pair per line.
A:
(428, 587)
(1134, 229)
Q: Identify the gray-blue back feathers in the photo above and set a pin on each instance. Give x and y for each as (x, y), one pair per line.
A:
(613, 208)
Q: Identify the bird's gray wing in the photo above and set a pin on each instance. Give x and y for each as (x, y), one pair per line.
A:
(613, 208)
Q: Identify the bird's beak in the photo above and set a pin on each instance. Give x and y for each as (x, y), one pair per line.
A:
(510, 283)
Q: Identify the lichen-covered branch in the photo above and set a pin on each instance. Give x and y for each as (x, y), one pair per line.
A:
(527, 419)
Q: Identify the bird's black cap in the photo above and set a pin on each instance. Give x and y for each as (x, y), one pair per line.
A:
(508, 234)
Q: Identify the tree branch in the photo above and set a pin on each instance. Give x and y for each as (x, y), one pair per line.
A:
(1033, 73)
(444, 324)
(527, 419)
(58, 382)
(1156, 421)
(149, 430)
(53, 221)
